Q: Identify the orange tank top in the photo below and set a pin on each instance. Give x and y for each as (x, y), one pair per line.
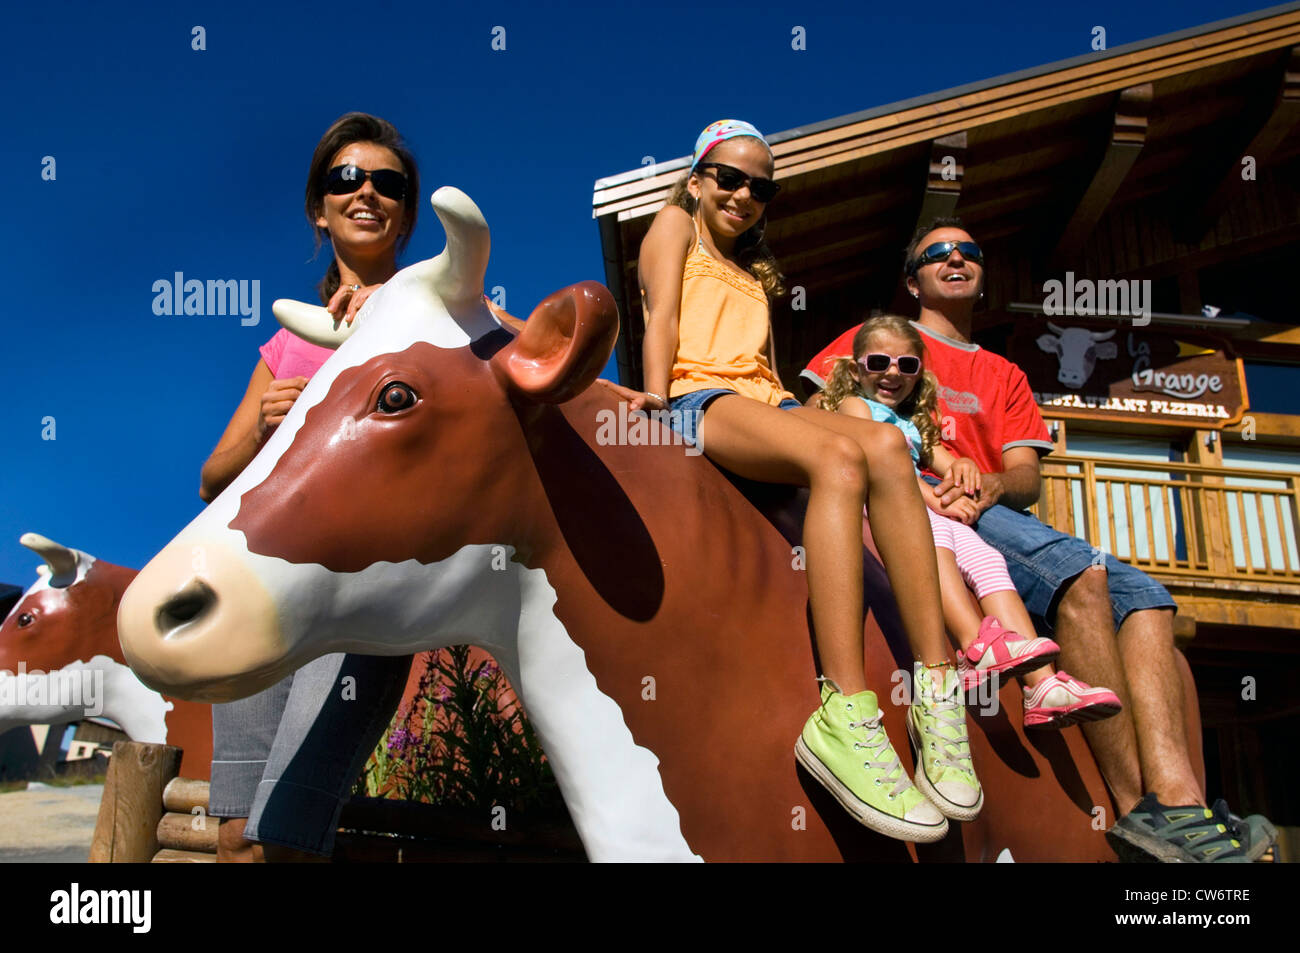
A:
(723, 332)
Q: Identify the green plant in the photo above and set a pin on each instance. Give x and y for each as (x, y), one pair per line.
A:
(465, 742)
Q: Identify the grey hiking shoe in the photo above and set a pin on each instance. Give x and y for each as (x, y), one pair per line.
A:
(1255, 831)
(1190, 834)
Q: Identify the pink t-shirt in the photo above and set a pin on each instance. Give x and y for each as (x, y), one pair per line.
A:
(288, 355)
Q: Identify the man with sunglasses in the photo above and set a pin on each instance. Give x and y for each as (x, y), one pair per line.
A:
(1113, 622)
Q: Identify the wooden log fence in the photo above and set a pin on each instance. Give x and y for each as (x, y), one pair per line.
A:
(151, 814)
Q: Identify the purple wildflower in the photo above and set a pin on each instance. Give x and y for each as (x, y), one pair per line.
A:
(398, 741)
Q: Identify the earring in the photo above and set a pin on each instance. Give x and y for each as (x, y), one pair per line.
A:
(915, 295)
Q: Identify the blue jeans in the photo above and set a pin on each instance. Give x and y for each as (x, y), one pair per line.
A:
(686, 410)
(287, 758)
(1042, 561)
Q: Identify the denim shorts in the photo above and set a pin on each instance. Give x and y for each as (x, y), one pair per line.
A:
(685, 411)
(1043, 560)
(287, 758)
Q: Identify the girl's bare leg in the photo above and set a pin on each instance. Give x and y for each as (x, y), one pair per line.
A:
(900, 527)
(959, 613)
(761, 442)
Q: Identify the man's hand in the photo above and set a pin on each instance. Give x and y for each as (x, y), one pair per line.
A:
(963, 508)
(951, 491)
(1017, 486)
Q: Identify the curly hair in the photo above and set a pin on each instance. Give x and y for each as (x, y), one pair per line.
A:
(921, 406)
(751, 251)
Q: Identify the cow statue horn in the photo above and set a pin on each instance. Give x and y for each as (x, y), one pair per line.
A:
(455, 276)
(1103, 335)
(311, 322)
(1056, 329)
(62, 562)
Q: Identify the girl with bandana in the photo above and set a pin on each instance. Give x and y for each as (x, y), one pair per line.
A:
(707, 278)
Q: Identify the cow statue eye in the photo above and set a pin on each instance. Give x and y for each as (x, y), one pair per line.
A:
(25, 619)
(394, 397)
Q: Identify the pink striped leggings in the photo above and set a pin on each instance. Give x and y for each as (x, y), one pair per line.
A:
(982, 566)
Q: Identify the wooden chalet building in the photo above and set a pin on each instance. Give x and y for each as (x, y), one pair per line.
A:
(1169, 165)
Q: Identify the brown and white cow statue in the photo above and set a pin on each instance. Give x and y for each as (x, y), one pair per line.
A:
(442, 480)
(61, 659)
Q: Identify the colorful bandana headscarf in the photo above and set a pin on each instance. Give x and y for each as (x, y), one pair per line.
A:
(719, 131)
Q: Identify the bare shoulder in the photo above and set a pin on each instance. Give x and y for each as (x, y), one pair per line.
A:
(671, 228)
(853, 408)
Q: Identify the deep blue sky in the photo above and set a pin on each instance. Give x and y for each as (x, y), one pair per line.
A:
(172, 160)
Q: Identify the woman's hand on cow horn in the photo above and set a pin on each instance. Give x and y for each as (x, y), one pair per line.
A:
(636, 399)
(347, 301)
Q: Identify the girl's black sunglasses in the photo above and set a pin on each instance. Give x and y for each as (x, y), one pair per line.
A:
(346, 179)
(731, 179)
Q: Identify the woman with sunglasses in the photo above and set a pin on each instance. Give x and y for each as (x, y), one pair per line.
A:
(706, 281)
(286, 759)
(885, 381)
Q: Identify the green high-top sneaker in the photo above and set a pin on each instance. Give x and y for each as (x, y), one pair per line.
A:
(844, 746)
(936, 724)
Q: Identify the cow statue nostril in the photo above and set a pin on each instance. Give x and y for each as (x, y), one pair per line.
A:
(191, 603)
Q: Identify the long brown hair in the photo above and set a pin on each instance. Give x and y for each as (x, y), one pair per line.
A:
(751, 250)
(921, 406)
(347, 129)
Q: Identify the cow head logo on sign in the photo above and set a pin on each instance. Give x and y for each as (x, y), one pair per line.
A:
(1079, 350)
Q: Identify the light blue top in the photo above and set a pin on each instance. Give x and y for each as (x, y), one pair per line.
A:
(886, 415)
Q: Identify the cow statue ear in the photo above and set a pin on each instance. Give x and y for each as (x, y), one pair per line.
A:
(563, 346)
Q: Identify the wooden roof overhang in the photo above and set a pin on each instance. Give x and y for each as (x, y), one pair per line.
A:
(1119, 164)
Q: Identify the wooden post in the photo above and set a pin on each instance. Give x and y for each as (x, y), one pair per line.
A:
(127, 829)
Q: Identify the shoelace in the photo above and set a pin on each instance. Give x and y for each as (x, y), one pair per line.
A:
(953, 716)
(876, 741)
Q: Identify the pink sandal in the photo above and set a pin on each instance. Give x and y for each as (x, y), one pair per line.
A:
(1061, 701)
(1001, 651)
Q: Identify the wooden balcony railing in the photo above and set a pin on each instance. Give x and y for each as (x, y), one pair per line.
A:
(1179, 519)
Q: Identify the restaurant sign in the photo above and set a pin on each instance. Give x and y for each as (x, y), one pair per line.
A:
(1156, 374)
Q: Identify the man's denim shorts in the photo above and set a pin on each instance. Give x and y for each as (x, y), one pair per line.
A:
(686, 410)
(1042, 560)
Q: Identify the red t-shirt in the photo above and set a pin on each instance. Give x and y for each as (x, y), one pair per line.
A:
(985, 404)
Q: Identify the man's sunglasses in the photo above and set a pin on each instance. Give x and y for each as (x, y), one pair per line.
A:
(940, 251)
(909, 365)
(731, 179)
(346, 179)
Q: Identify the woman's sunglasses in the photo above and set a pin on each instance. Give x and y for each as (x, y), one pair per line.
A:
(940, 251)
(731, 179)
(346, 179)
(909, 365)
